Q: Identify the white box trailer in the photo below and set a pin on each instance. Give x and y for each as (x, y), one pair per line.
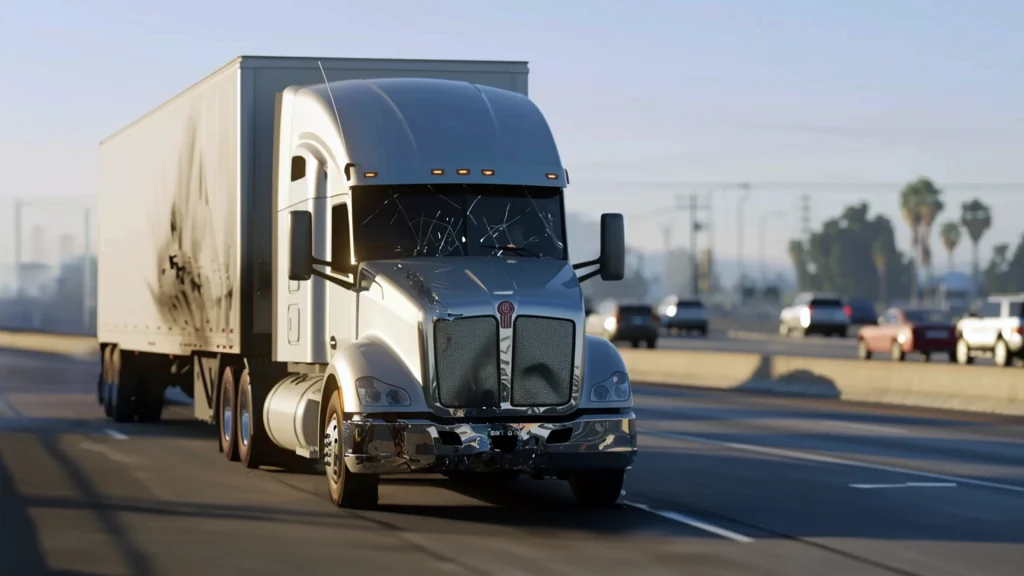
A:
(243, 257)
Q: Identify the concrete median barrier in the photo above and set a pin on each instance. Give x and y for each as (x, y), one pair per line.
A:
(945, 386)
(62, 344)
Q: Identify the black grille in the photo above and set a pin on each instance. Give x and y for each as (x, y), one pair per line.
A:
(466, 356)
(542, 358)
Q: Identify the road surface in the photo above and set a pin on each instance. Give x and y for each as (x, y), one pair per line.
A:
(726, 484)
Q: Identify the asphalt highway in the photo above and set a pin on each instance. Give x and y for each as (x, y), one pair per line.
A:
(726, 483)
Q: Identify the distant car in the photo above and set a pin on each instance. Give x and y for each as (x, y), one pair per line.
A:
(902, 331)
(813, 313)
(996, 330)
(681, 315)
(860, 312)
(618, 322)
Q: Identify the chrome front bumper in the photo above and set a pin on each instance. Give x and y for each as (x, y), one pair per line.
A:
(420, 446)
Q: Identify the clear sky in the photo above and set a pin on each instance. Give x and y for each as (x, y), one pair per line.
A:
(840, 91)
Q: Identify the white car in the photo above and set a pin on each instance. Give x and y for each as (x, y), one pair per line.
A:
(995, 331)
(813, 313)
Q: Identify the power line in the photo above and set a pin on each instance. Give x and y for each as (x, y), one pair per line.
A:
(831, 187)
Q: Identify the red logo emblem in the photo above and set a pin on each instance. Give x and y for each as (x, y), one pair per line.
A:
(505, 310)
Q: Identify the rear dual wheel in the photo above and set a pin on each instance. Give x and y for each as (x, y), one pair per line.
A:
(242, 434)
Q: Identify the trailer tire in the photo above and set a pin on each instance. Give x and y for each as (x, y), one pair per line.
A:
(346, 489)
(122, 392)
(597, 488)
(227, 407)
(254, 446)
(151, 399)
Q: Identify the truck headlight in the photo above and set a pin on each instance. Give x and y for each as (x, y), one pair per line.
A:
(373, 392)
(613, 389)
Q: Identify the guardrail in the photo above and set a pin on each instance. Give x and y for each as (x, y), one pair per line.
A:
(944, 386)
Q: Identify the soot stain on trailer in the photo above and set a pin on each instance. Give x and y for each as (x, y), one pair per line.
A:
(194, 290)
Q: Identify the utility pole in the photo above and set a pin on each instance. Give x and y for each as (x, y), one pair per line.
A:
(17, 248)
(805, 215)
(666, 231)
(694, 260)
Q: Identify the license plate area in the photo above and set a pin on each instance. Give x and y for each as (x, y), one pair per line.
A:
(936, 334)
(503, 437)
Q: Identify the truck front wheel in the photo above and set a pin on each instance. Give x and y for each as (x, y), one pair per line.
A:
(347, 490)
(597, 488)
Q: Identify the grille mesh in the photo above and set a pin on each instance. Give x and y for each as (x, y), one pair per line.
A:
(542, 358)
(466, 355)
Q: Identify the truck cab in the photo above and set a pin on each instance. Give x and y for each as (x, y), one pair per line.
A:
(422, 281)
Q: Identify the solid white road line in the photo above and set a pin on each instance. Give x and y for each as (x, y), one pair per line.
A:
(796, 455)
(860, 426)
(115, 434)
(906, 485)
(693, 522)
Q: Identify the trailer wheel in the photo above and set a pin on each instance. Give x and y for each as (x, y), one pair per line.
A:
(254, 446)
(347, 490)
(107, 377)
(226, 418)
(597, 488)
(122, 390)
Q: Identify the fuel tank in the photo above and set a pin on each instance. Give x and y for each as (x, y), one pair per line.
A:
(291, 412)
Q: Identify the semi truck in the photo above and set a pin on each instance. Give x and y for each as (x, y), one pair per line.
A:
(360, 264)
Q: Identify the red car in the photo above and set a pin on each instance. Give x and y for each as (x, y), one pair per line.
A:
(901, 331)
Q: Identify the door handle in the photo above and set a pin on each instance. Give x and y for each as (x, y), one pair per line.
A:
(334, 343)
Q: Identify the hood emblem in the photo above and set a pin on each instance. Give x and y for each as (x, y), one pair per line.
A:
(505, 310)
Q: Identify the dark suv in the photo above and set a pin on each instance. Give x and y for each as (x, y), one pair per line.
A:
(617, 322)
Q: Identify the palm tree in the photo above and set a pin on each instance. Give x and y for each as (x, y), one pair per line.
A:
(910, 200)
(976, 219)
(880, 256)
(921, 203)
(950, 234)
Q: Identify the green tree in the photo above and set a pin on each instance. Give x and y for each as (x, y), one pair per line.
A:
(950, 234)
(976, 219)
(920, 204)
(853, 255)
(1005, 273)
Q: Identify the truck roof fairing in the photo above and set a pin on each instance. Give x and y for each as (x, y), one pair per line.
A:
(425, 131)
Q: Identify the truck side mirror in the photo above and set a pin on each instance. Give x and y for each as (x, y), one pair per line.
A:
(613, 247)
(300, 249)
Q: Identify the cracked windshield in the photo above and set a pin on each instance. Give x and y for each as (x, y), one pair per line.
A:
(457, 220)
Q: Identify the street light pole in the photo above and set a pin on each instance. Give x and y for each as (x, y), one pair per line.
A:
(760, 241)
(740, 226)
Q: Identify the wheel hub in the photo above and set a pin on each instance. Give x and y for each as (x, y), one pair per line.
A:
(227, 413)
(243, 418)
(332, 452)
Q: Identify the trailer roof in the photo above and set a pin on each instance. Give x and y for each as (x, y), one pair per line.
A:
(332, 63)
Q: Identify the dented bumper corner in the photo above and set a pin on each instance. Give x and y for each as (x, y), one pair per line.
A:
(421, 446)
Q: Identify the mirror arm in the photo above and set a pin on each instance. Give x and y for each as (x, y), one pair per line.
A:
(588, 276)
(320, 262)
(332, 279)
(586, 264)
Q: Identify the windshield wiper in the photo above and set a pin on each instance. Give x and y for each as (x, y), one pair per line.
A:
(511, 248)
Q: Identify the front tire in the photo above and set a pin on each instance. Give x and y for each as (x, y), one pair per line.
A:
(863, 352)
(346, 489)
(963, 352)
(1001, 354)
(897, 352)
(597, 488)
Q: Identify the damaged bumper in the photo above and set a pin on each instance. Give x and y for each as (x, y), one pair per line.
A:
(421, 446)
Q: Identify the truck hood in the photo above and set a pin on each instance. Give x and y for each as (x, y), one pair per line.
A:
(475, 282)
